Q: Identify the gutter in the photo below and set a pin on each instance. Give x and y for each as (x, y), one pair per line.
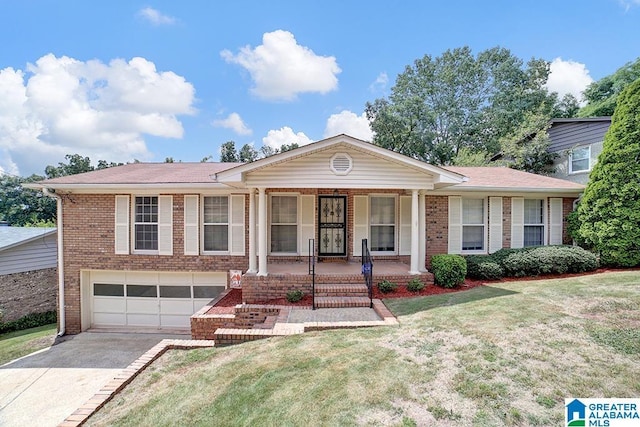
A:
(61, 311)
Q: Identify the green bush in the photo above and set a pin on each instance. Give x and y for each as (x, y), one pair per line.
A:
(490, 271)
(483, 267)
(387, 287)
(549, 260)
(415, 285)
(609, 211)
(294, 296)
(29, 321)
(448, 270)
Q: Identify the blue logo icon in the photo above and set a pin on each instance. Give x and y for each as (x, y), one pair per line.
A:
(576, 413)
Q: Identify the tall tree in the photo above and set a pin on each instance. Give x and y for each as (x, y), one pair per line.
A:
(228, 152)
(609, 212)
(440, 105)
(526, 148)
(601, 96)
(77, 164)
(21, 206)
(248, 154)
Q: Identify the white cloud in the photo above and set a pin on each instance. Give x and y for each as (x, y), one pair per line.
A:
(568, 77)
(63, 106)
(285, 135)
(156, 17)
(235, 123)
(281, 68)
(380, 83)
(628, 4)
(349, 123)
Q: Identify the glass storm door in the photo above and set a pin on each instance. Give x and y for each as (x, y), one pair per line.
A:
(332, 226)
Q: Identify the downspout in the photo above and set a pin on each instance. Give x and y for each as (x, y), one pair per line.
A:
(61, 312)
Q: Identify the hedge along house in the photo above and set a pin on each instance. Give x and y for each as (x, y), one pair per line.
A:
(147, 245)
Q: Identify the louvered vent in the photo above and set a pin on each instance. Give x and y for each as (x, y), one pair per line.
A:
(341, 164)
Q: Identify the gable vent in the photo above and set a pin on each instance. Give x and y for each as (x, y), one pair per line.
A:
(341, 164)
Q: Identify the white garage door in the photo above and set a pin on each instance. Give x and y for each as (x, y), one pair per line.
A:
(142, 299)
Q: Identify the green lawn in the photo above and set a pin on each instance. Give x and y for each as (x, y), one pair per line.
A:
(506, 354)
(20, 343)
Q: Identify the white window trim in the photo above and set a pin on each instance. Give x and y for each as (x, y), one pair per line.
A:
(545, 228)
(134, 223)
(202, 224)
(396, 225)
(588, 169)
(297, 224)
(485, 222)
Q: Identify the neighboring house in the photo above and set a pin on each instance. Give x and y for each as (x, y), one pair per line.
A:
(578, 142)
(28, 279)
(149, 244)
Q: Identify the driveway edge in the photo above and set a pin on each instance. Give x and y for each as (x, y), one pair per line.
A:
(118, 382)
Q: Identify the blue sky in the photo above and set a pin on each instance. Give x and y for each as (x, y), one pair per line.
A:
(124, 80)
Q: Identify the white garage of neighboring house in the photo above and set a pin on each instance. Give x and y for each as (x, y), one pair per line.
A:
(139, 299)
(28, 270)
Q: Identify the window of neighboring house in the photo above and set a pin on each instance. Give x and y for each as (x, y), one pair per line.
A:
(146, 223)
(473, 224)
(580, 159)
(284, 224)
(215, 220)
(533, 222)
(383, 224)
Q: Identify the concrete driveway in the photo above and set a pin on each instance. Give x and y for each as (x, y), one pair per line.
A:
(44, 388)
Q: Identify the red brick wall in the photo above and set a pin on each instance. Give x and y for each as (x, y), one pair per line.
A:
(437, 227)
(88, 237)
(506, 222)
(567, 208)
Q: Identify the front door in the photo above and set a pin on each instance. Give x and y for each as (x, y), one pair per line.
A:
(332, 226)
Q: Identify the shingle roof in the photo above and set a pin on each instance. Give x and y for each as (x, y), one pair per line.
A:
(11, 236)
(507, 178)
(147, 173)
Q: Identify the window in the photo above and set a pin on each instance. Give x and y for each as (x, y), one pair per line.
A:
(473, 224)
(284, 224)
(579, 160)
(383, 223)
(533, 222)
(146, 223)
(216, 223)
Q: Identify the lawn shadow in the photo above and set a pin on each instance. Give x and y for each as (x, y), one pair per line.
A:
(406, 306)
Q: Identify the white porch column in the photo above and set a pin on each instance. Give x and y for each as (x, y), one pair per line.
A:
(262, 237)
(415, 238)
(253, 261)
(422, 232)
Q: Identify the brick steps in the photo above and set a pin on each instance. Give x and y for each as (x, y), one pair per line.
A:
(342, 290)
(342, 302)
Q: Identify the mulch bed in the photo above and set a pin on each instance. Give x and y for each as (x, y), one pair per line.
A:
(234, 297)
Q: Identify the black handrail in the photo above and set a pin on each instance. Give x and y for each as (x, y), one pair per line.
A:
(312, 271)
(367, 270)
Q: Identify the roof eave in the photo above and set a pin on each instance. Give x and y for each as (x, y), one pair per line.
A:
(30, 239)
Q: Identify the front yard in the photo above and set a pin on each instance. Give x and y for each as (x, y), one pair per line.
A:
(20, 343)
(505, 354)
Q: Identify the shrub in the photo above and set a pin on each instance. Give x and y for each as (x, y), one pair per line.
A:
(483, 267)
(387, 287)
(294, 296)
(448, 270)
(29, 321)
(490, 271)
(549, 260)
(415, 285)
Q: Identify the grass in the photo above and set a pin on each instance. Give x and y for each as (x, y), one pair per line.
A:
(497, 355)
(20, 343)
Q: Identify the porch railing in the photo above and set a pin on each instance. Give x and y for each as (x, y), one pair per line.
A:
(367, 270)
(312, 270)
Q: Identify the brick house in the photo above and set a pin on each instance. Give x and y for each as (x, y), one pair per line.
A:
(147, 245)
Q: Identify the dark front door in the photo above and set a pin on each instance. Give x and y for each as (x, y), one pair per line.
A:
(332, 226)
